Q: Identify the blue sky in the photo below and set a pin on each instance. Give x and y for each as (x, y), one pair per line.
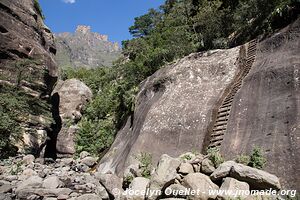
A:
(111, 17)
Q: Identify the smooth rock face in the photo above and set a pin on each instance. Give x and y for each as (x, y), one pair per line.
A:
(201, 182)
(266, 111)
(176, 107)
(256, 178)
(23, 35)
(173, 108)
(72, 96)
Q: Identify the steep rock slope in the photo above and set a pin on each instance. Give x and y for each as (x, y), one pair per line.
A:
(230, 99)
(27, 52)
(266, 110)
(174, 108)
(85, 49)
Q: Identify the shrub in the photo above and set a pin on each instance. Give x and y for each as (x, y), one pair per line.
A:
(127, 180)
(257, 159)
(215, 156)
(243, 159)
(146, 164)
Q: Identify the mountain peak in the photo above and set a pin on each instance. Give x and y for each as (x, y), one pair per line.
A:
(85, 48)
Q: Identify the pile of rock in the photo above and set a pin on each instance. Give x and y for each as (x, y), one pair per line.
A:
(178, 177)
(25, 177)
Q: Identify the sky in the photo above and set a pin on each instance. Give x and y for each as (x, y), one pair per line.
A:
(109, 17)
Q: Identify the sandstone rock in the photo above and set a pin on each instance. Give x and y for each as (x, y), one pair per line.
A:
(31, 182)
(89, 197)
(165, 173)
(5, 196)
(84, 154)
(185, 168)
(73, 96)
(256, 178)
(89, 161)
(28, 173)
(52, 183)
(138, 184)
(230, 184)
(25, 37)
(207, 167)
(62, 197)
(111, 183)
(5, 188)
(202, 183)
(101, 191)
(24, 193)
(266, 121)
(222, 171)
(28, 159)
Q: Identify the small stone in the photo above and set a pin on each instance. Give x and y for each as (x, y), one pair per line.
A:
(28, 173)
(207, 167)
(52, 182)
(84, 154)
(62, 197)
(89, 197)
(5, 188)
(185, 168)
(89, 161)
(28, 159)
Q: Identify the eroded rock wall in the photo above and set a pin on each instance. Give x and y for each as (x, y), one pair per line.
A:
(27, 52)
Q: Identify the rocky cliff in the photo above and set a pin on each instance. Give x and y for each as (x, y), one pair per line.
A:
(85, 49)
(27, 65)
(229, 99)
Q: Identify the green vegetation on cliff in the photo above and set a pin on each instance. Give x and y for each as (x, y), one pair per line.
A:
(176, 29)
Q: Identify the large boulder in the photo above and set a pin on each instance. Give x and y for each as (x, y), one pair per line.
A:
(72, 95)
(139, 186)
(202, 185)
(165, 173)
(222, 171)
(112, 184)
(233, 189)
(257, 179)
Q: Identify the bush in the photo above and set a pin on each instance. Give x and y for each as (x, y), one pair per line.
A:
(243, 159)
(146, 164)
(215, 156)
(257, 159)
